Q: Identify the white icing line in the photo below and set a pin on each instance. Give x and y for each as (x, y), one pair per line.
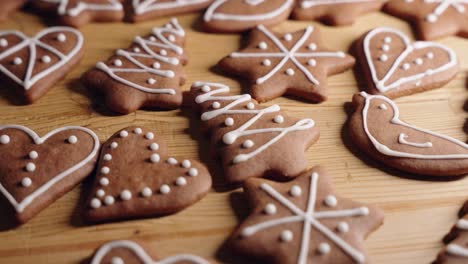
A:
(402, 140)
(20, 206)
(462, 224)
(113, 5)
(443, 6)
(457, 250)
(211, 13)
(145, 6)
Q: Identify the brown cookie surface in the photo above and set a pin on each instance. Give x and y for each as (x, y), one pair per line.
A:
(232, 16)
(136, 178)
(252, 140)
(335, 12)
(9, 6)
(147, 74)
(376, 128)
(303, 221)
(32, 65)
(129, 252)
(34, 172)
(432, 19)
(395, 66)
(77, 13)
(292, 63)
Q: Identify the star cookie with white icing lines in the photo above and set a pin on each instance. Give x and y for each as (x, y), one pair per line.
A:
(286, 64)
(433, 19)
(77, 13)
(303, 221)
(135, 178)
(335, 12)
(395, 66)
(252, 140)
(148, 74)
(34, 172)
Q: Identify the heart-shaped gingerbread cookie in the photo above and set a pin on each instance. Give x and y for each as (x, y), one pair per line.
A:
(35, 171)
(394, 66)
(35, 64)
(135, 178)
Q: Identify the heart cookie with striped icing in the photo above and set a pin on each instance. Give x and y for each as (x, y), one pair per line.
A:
(136, 178)
(34, 172)
(395, 66)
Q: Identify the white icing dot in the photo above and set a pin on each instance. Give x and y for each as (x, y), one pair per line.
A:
(290, 72)
(146, 192)
(278, 119)
(262, 45)
(30, 167)
(250, 106)
(152, 38)
(123, 134)
(186, 164)
(383, 57)
(270, 209)
(406, 66)
(156, 65)
(95, 203)
(324, 248)
(4, 139)
(383, 107)
(312, 46)
(100, 193)
(155, 158)
(17, 61)
(430, 55)
(33, 155)
(172, 161)
(295, 190)
(105, 170)
(181, 181)
(26, 182)
(385, 47)
(151, 81)
(72, 139)
(136, 49)
(312, 62)
(165, 189)
(206, 88)
(104, 181)
(154, 146)
(149, 135)
(266, 62)
(114, 145)
(342, 227)
(117, 260)
(288, 37)
(431, 18)
(118, 63)
(286, 236)
(125, 195)
(248, 144)
(3, 42)
(330, 201)
(107, 157)
(418, 61)
(387, 40)
(46, 59)
(163, 52)
(61, 37)
(216, 105)
(193, 172)
(109, 200)
(364, 211)
(172, 38)
(229, 121)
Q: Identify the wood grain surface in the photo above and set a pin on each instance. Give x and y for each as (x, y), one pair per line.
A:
(418, 213)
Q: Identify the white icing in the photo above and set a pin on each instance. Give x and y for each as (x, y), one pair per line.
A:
(402, 140)
(243, 130)
(32, 44)
(248, 144)
(146, 192)
(181, 181)
(104, 181)
(295, 191)
(312, 3)
(144, 6)
(278, 119)
(107, 157)
(287, 236)
(216, 105)
(342, 227)
(46, 59)
(123, 134)
(381, 84)
(443, 5)
(95, 203)
(165, 189)
(142, 255)
(26, 182)
(138, 131)
(17, 61)
(324, 248)
(109, 200)
(457, 250)
(105, 170)
(117, 260)
(331, 201)
(3, 42)
(27, 200)
(125, 195)
(114, 145)
(155, 158)
(64, 8)
(154, 146)
(4, 139)
(61, 37)
(149, 135)
(229, 121)
(33, 155)
(100, 193)
(270, 209)
(72, 139)
(212, 14)
(186, 164)
(30, 167)
(172, 161)
(462, 224)
(193, 172)
(310, 219)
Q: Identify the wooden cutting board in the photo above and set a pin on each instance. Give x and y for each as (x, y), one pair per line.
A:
(418, 213)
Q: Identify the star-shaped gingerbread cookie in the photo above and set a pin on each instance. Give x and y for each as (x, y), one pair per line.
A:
(433, 18)
(302, 221)
(293, 64)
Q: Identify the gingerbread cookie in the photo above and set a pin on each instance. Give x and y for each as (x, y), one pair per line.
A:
(142, 10)
(302, 221)
(376, 128)
(395, 66)
(9, 6)
(136, 178)
(253, 140)
(77, 13)
(32, 65)
(34, 172)
(292, 63)
(335, 12)
(232, 16)
(147, 74)
(433, 18)
(129, 252)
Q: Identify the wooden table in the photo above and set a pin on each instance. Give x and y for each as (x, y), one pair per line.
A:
(418, 213)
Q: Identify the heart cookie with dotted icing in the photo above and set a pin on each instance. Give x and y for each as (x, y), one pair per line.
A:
(395, 66)
(34, 64)
(136, 178)
(9, 6)
(130, 252)
(231, 16)
(34, 172)
(303, 221)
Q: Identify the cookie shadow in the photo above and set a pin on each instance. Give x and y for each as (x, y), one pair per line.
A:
(77, 218)
(357, 68)
(7, 221)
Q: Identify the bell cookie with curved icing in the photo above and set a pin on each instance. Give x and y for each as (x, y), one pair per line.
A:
(395, 66)
(277, 64)
(143, 10)
(9, 6)
(231, 16)
(32, 65)
(304, 221)
(376, 128)
(432, 19)
(335, 12)
(130, 252)
(34, 172)
(148, 74)
(456, 250)
(252, 140)
(76, 13)
(136, 178)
